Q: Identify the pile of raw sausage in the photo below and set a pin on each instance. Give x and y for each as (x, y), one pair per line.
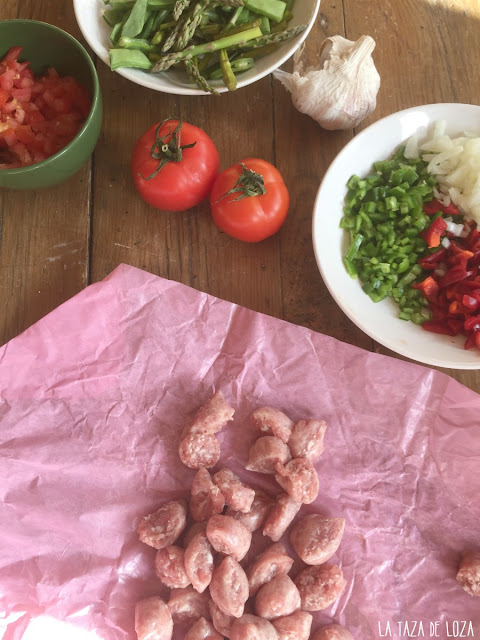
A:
(203, 541)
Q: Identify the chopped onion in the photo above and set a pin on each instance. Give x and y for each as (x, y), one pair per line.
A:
(452, 227)
(445, 242)
(455, 162)
(411, 148)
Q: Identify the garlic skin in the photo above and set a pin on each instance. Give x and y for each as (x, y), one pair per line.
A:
(341, 90)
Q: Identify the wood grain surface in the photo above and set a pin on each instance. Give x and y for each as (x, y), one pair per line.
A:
(55, 242)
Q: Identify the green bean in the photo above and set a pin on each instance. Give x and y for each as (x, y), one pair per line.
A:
(116, 31)
(273, 9)
(147, 29)
(128, 58)
(136, 20)
(113, 16)
(238, 66)
(265, 25)
(137, 44)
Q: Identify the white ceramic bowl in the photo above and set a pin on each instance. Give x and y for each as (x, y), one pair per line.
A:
(379, 320)
(96, 32)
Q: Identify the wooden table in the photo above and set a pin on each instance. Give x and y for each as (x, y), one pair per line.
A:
(53, 243)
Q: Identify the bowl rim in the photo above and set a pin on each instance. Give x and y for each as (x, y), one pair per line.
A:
(143, 79)
(358, 140)
(96, 97)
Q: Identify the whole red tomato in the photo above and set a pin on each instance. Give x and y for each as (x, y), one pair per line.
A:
(174, 165)
(249, 200)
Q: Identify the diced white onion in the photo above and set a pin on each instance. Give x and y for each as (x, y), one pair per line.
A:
(452, 227)
(445, 242)
(411, 148)
(455, 162)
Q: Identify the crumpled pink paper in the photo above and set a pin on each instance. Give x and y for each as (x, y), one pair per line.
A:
(92, 400)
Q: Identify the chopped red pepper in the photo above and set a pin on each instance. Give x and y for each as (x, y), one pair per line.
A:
(470, 302)
(472, 323)
(434, 206)
(433, 234)
(451, 210)
(433, 260)
(429, 288)
(457, 273)
(436, 326)
(453, 288)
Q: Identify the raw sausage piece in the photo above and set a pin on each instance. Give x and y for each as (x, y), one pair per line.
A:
(279, 597)
(187, 604)
(199, 562)
(212, 416)
(320, 586)
(237, 495)
(202, 630)
(265, 453)
(274, 561)
(272, 422)
(299, 479)
(258, 513)
(206, 499)
(170, 568)
(306, 440)
(229, 536)
(280, 517)
(153, 620)
(296, 626)
(333, 632)
(469, 573)
(161, 528)
(196, 527)
(221, 621)
(316, 538)
(199, 449)
(250, 627)
(229, 587)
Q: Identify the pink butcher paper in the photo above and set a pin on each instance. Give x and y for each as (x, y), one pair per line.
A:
(93, 400)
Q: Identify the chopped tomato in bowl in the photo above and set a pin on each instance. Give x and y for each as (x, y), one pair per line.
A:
(50, 105)
(39, 115)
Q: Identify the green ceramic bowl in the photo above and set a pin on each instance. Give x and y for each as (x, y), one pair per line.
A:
(47, 46)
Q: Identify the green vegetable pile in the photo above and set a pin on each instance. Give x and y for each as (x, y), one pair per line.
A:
(383, 213)
(211, 39)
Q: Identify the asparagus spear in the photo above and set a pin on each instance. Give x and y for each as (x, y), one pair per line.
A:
(195, 75)
(237, 39)
(179, 7)
(242, 27)
(172, 36)
(231, 3)
(229, 78)
(272, 38)
(190, 25)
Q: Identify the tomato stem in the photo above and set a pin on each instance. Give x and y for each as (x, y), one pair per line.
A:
(165, 152)
(249, 184)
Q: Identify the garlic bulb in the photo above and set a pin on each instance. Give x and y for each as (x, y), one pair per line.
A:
(342, 90)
